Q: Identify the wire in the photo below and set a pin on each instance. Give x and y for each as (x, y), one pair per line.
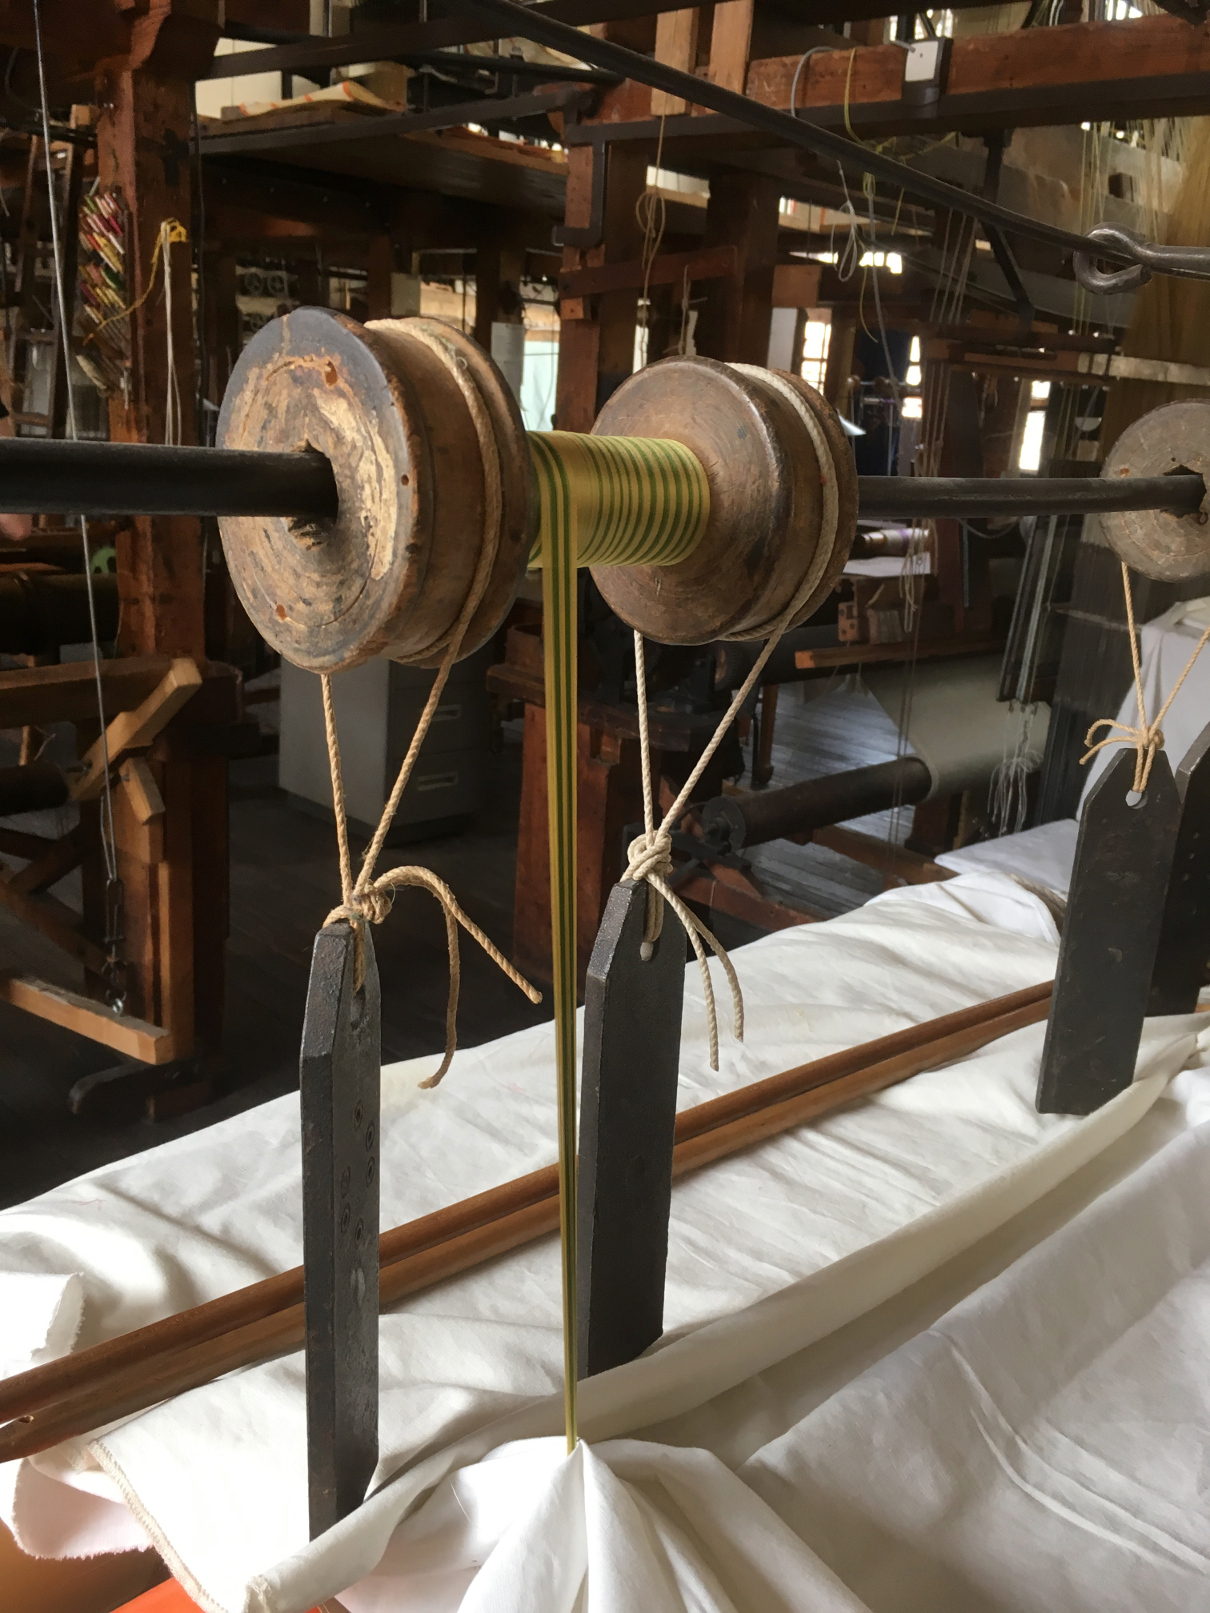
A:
(108, 846)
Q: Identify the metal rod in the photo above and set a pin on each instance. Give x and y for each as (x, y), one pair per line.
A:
(38, 474)
(101, 478)
(937, 496)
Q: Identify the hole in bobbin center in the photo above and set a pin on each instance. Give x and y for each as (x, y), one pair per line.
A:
(310, 531)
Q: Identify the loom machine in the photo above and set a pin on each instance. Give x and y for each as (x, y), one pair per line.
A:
(359, 474)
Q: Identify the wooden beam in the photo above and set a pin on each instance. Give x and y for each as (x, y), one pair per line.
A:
(134, 730)
(138, 781)
(50, 865)
(676, 46)
(40, 695)
(123, 1032)
(1081, 72)
(55, 921)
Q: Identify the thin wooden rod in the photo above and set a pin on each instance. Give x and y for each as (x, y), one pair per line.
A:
(29, 1391)
(126, 1381)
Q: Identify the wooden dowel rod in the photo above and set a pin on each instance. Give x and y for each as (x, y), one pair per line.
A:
(39, 1386)
(119, 1392)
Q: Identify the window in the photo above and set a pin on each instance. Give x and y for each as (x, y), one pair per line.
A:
(815, 352)
(912, 377)
(1031, 441)
(913, 408)
(892, 262)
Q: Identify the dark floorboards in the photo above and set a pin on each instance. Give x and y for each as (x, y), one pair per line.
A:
(284, 881)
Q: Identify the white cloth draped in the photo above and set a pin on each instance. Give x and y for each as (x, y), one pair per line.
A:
(774, 1255)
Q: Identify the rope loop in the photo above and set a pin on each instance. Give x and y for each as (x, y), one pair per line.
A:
(1147, 738)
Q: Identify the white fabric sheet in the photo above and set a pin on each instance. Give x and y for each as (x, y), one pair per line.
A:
(1043, 855)
(1040, 1448)
(769, 1253)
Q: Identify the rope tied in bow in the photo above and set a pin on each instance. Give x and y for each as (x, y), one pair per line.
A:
(1147, 738)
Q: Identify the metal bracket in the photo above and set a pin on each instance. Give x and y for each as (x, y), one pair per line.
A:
(340, 1080)
(592, 233)
(1184, 947)
(632, 1043)
(1111, 933)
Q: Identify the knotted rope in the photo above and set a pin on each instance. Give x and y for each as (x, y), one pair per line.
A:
(650, 854)
(1147, 738)
(368, 900)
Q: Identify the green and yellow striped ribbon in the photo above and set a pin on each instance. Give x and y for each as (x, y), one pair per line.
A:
(621, 501)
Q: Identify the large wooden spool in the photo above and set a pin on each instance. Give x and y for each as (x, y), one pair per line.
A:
(392, 405)
(1159, 543)
(426, 443)
(762, 540)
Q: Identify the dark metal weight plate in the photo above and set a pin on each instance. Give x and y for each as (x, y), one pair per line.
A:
(1110, 935)
(340, 1072)
(632, 1043)
(1184, 949)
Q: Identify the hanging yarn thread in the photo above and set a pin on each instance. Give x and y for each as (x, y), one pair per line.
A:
(1146, 737)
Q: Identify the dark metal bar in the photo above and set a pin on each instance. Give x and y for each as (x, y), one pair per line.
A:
(339, 1069)
(1025, 495)
(1184, 947)
(118, 478)
(632, 1043)
(1111, 934)
(734, 822)
(528, 22)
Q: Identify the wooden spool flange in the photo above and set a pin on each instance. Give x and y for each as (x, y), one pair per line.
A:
(402, 408)
(762, 541)
(1158, 543)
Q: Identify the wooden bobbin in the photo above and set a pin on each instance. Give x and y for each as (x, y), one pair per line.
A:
(1158, 543)
(762, 541)
(403, 409)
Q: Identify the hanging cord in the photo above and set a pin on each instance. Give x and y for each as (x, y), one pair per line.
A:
(171, 231)
(1147, 738)
(114, 974)
(367, 899)
(651, 214)
(172, 402)
(649, 855)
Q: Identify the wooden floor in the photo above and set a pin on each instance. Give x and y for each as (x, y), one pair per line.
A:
(283, 882)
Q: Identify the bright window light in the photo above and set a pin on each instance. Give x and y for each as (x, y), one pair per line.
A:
(913, 409)
(913, 375)
(826, 257)
(815, 352)
(1031, 442)
(892, 262)
(1039, 391)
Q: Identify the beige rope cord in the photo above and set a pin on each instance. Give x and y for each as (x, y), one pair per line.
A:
(650, 854)
(1147, 738)
(368, 899)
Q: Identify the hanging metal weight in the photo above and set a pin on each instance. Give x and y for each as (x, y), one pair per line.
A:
(1111, 931)
(339, 1072)
(1184, 946)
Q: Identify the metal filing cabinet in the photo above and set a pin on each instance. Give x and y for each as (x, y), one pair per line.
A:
(377, 708)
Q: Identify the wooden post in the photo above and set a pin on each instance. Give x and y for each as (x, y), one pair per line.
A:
(596, 340)
(380, 261)
(175, 910)
(743, 212)
(676, 34)
(498, 270)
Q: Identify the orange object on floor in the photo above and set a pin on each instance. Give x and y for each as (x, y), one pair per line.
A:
(166, 1598)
